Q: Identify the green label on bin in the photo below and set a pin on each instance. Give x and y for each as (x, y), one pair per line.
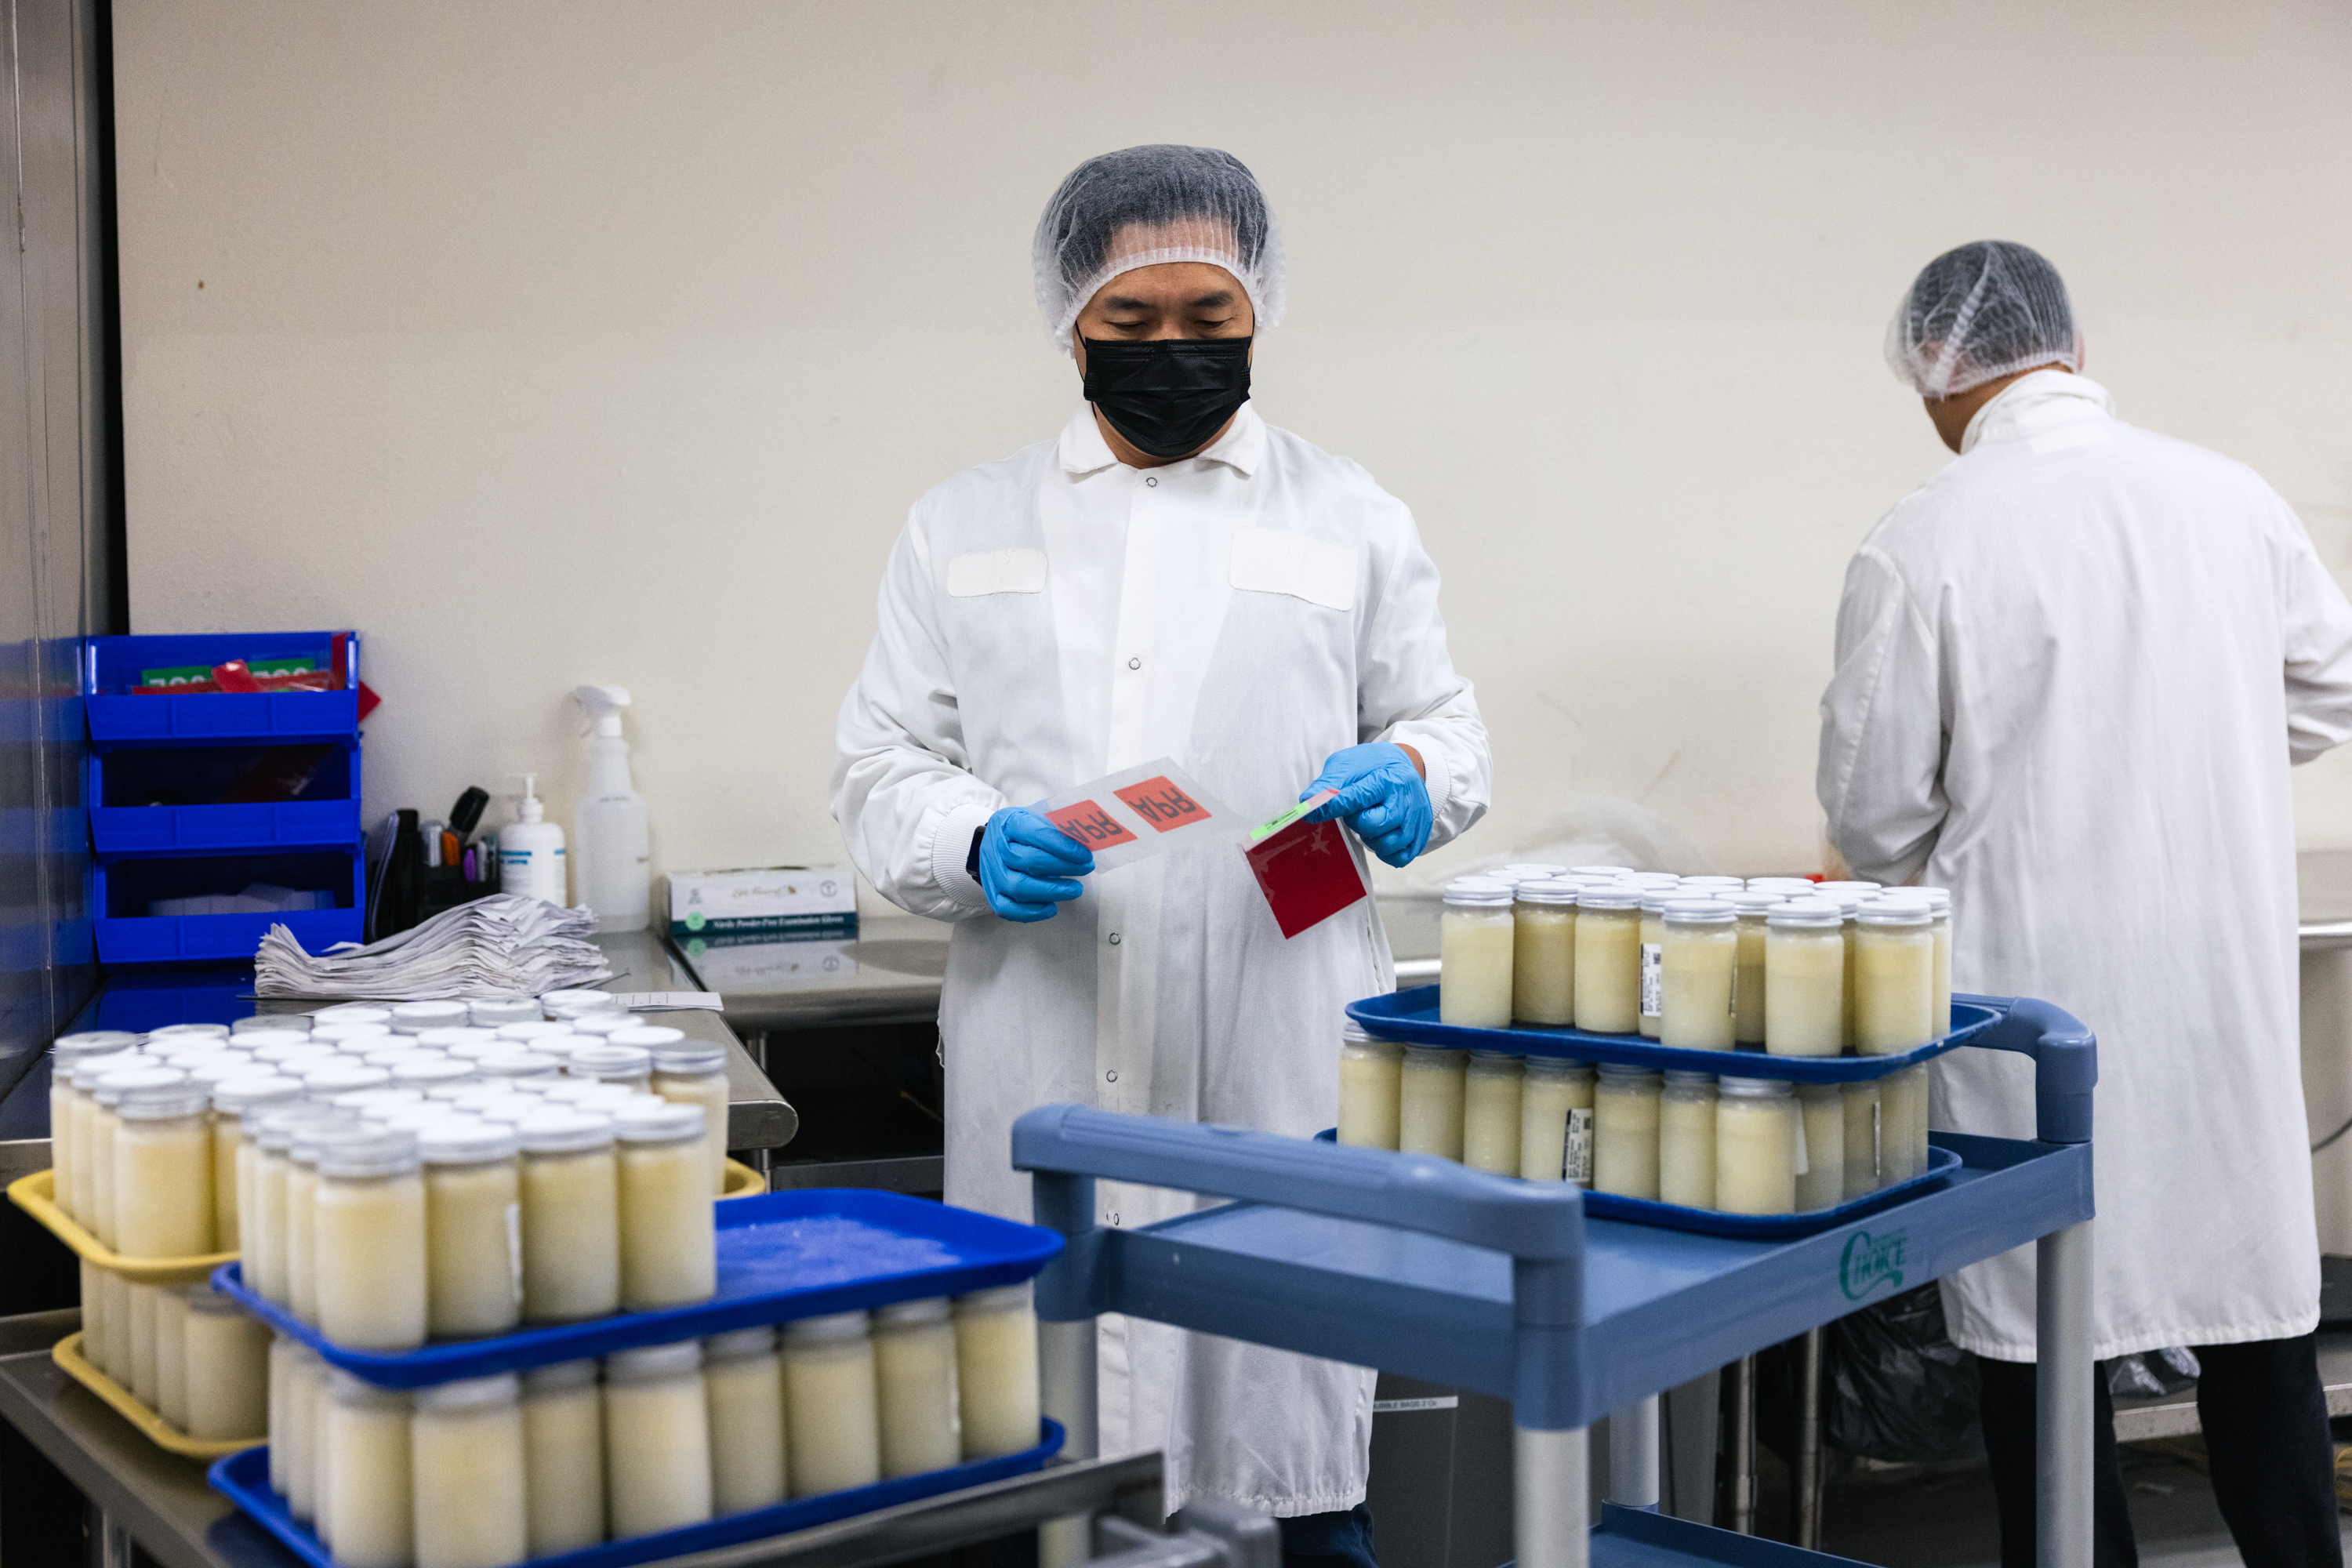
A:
(1870, 1261)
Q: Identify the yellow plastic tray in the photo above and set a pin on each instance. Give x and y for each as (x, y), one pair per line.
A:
(37, 1196)
(742, 1181)
(153, 1428)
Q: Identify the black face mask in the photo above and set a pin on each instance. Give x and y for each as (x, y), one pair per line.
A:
(1171, 396)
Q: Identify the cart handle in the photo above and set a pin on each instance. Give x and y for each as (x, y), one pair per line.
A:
(2065, 1061)
(1404, 1192)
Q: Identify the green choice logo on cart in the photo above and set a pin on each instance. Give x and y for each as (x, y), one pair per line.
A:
(1870, 1261)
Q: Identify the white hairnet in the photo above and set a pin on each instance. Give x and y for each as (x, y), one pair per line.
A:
(1978, 313)
(1146, 206)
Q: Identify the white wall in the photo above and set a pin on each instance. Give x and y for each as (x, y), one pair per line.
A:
(598, 341)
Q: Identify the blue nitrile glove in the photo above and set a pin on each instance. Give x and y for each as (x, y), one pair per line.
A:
(1380, 796)
(1027, 866)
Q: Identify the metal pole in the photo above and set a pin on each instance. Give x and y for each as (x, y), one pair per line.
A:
(1743, 1445)
(1066, 1389)
(2064, 1406)
(114, 1549)
(1633, 1454)
(1809, 1444)
(1551, 1495)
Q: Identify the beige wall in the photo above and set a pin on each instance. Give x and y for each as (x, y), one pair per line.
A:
(596, 341)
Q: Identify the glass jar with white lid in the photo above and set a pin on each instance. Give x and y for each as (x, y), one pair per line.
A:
(233, 1100)
(1556, 1121)
(1804, 978)
(107, 1091)
(1430, 1101)
(75, 1184)
(1750, 986)
(1821, 1106)
(370, 1246)
(1940, 905)
(1895, 986)
(473, 1195)
(668, 1250)
(1543, 951)
(1756, 1147)
(691, 1072)
(1371, 1089)
(228, 1368)
(1491, 1097)
(370, 1510)
(1698, 973)
(163, 1166)
(996, 1371)
(1686, 1140)
(1474, 943)
(64, 1126)
(831, 1405)
(1625, 1131)
(469, 1474)
(915, 1387)
(1608, 958)
(570, 1217)
(556, 1003)
(743, 1382)
(657, 1438)
(564, 1458)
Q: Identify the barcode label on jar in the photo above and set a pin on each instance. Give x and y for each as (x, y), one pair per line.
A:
(1653, 980)
(1576, 1150)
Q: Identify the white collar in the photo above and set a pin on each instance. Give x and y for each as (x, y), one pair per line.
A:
(1242, 447)
(2036, 401)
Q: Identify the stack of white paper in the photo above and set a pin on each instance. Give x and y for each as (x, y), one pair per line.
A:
(503, 945)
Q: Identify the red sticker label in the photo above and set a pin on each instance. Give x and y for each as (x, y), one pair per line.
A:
(1162, 804)
(1090, 825)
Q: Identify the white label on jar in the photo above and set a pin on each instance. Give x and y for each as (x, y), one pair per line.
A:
(1576, 1150)
(1804, 1166)
(1653, 980)
(514, 1247)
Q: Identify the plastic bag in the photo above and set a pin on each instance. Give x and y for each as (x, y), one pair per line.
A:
(1896, 1387)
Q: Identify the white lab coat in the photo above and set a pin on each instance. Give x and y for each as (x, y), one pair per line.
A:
(2073, 670)
(1055, 616)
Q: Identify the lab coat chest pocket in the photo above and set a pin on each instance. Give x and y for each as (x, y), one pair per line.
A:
(999, 623)
(1273, 561)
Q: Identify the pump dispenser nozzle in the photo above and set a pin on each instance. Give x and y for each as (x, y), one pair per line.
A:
(531, 808)
(603, 704)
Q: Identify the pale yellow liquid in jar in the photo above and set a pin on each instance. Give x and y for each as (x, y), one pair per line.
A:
(242, 1161)
(563, 1470)
(1753, 984)
(301, 1235)
(1895, 995)
(163, 1188)
(1846, 1019)
(473, 1263)
(172, 1358)
(571, 1237)
(1491, 1107)
(1430, 1121)
(223, 1134)
(116, 1291)
(1821, 1183)
(1543, 964)
(668, 1250)
(915, 1376)
(268, 1256)
(228, 1376)
(1653, 975)
(1901, 1106)
(323, 1456)
(1474, 983)
(71, 1183)
(1546, 1104)
(836, 1440)
(371, 1261)
(1942, 930)
(1686, 1150)
(303, 1379)
(658, 1454)
(1804, 992)
(1864, 1139)
(708, 1091)
(1372, 1089)
(1700, 966)
(996, 1377)
(281, 1362)
(93, 1316)
(103, 1124)
(142, 1344)
(1608, 970)
(470, 1492)
(1625, 1139)
(62, 1149)
(371, 1514)
(745, 1396)
(1756, 1155)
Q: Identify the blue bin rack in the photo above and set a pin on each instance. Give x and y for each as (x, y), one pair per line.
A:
(196, 742)
(1416, 1265)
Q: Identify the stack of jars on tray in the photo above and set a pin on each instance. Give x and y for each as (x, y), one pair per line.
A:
(1779, 965)
(482, 1471)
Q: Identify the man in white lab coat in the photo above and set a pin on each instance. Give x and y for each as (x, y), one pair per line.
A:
(1168, 577)
(2073, 670)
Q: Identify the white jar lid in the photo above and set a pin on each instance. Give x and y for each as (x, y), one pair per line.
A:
(654, 1361)
(1525, 869)
(1938, 898)
(415, 1017)
(532, 1029)
(1477, 892)
(1851, 887)
(1900, 912)
(216, 1067)
(163, 1103)
(651, 1037)
(426, 1074)
(489, 1012)
(1625, 1071)
(1806, 914)
(517, 1062)
(113, 1086)
(738, 1343)
(297, 1021)
(239, 1095)
(300, 1049)
(604, 1021)
(1613, 873)
(661, 1122)
(456, 1035)
(281, 1126)
(353, 1013)
(340, 1032)
(578, 1001)
(1699, 913)
(1549, 890)
(85, 1071)
(275, 1039)
(601, 1061)
(1755, 1087)
(688, 1056)
(1657, 896)
(462, 1141)
(1780, 884)
(1676, 1078)
(340, 1076)
(360, 1100)
(827, 1326)
(1654, 879)
(563, 1131)
(1714, 882)
(469, 1392)
(900, 1314)
(1608, 896)
(205, 1031)
(1754, 903)
(401, 1048)
(369, 1152)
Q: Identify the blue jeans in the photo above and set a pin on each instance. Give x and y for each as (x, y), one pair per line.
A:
(1329, 1540)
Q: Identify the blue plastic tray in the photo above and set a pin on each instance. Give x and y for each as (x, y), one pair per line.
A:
(1941, 1165)
(1411, 1017)
(244, 1478)
(226, 939)
(118, 717)
(329, 816)
(782, 1255)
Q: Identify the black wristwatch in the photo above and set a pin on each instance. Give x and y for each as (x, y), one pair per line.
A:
(971, 861)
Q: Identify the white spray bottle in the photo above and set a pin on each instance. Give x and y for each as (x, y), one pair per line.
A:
(530, 850)
(613, 854)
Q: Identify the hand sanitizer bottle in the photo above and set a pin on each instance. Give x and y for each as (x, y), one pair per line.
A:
(609, 823)
(530, 850)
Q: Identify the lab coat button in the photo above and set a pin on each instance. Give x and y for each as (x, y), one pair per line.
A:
(1152, 483)
(1114, 939)
(1135, 664)
(1111, 1076)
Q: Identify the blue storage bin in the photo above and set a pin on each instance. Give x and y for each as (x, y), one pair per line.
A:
(116, 717)
(120, 891)
(145, 999)
(122, 781)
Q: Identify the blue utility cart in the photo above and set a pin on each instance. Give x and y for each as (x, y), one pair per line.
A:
(1419, 1266)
